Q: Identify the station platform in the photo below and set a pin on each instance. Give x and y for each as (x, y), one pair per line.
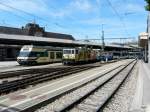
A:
(8, 63)
(141, 100)
(6, 66)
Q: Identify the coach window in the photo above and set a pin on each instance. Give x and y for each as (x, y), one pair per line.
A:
(58, 55)
(52, 55)
(33, 54)
(72, 51)
(46, 54)
(41, 54)
(38, 55)
(76, 51)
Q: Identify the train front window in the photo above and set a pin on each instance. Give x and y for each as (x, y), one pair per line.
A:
(76, 51)
(67, 51)
(28, 54)
(24, 54)
(72, 51)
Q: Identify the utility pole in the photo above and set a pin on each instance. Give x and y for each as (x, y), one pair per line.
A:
(103, 44)
(147, 51)
(147, 8)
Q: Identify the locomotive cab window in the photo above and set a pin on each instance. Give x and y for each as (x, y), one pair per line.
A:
(52, 55)
(58, 55)
(72, 51)
(77, 52)
(67, 51)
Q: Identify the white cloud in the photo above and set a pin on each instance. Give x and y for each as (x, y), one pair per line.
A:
(83, 5)
(39, 7)
(34, 7)
(134, 8)
(109, 22)
(31, 6)
(75, 6)
(131, 7)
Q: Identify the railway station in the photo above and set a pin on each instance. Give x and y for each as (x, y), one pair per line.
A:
(54, 60)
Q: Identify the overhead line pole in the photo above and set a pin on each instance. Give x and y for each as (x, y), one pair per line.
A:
(103, 43)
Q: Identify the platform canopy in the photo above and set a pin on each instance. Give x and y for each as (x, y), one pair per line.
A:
(43, 41)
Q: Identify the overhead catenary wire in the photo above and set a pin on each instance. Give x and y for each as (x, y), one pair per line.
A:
(120, 18)
(30, 14)
(35, 16)
(20, 10)
(23, 18)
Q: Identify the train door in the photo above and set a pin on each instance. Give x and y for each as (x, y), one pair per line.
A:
(52, 56)
(58, 56)
(76, 55)
(42, 57)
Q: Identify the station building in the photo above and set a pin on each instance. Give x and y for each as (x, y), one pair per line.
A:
(143, 43)
(10, 52)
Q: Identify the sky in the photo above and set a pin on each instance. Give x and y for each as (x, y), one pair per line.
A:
(81, 18)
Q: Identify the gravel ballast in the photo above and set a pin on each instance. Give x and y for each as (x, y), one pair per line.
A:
(121, 102)
(71, 97)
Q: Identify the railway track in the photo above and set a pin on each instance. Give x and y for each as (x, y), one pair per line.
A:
(17, 73)
(65, 94)
(30, 71)
(14, 80)
(32, 77)
(93, 96)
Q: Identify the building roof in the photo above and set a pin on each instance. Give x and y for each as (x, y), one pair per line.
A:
(34, 32)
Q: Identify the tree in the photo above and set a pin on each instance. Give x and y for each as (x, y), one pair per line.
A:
(147, 7)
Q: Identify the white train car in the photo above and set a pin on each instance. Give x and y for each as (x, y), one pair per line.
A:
(32, 55)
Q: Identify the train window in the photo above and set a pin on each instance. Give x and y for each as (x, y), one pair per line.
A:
(41, 54)
(58, 54)
(52, 55)
(72, 51)
(38, 55)
(67, 51)
(33, 54)
(77, 52)
(24, 54)
(46, 54)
